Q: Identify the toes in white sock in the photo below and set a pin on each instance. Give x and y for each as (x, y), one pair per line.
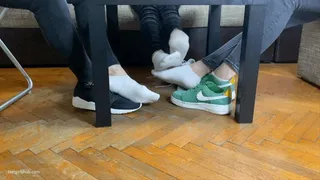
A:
(130, 89)
(179, 41)
(182, 76)
(162, 60)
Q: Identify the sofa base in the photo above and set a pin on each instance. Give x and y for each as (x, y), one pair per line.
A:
(30, 48)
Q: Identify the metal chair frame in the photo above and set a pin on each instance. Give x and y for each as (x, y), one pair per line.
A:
(18, 66)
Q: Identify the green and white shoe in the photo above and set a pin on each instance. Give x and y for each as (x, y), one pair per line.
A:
(207, 96)
(221, 84)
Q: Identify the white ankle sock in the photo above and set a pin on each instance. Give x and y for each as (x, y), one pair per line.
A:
(162, 60)
(221, 80)
(130, 89)
(182, 76)
(179, 41)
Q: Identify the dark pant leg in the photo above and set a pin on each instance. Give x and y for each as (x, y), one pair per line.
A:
(279, 15)
(170, 18)
(57, 27)
(150, 24)
(81, 11)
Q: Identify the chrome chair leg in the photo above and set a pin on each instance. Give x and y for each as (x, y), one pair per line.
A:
(19, 67)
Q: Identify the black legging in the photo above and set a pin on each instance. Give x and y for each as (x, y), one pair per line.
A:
(57, 26)
(154, 19)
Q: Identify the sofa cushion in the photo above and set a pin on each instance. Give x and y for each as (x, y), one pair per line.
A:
(309, 57)
(192, 17)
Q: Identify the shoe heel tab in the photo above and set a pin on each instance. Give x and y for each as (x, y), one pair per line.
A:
(233, 80)
(228, 93)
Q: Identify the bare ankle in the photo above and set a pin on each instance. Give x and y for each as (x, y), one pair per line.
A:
(200, 68)
(225, 72)
(116, 70)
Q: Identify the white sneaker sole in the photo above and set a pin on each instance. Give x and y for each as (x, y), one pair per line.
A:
(213, 108)
(82, 104)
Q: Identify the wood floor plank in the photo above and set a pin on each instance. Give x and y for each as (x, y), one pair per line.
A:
(138, 166)
(87, 165)
(286, 125)
(217, 126)
(313, 133)
(159, 163)
(132, 135)
(98, 141)
(39, 137)
(37, 164)
(15, 169)
(192, 167)
(265, 131)
(63, 166)
(185, 133)
(226, 134)
(119, 170)
(259, 120)
(300, 129)
(208, 162)
(75, 141)
(240, 164)
(78, 142)
(277, 159)
(304, 159)
(70, 129)
(11, 141)
(303, 146)
(176, 122)
(21, 131)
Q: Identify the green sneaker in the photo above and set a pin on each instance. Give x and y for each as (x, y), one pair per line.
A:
(220, 83)
(207, 96)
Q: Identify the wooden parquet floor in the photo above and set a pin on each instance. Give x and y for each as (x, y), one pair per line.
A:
(43, 137)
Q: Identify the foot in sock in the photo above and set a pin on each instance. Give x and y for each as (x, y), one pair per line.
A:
(83, 98)
(179, 41)
(130, 89)
(162, 60)
(181, 76)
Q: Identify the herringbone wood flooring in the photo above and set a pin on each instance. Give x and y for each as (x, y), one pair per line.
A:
(44, 134)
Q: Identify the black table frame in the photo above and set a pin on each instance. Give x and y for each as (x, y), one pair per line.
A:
(249, 60)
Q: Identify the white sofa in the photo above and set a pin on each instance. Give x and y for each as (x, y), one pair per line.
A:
(192, 17)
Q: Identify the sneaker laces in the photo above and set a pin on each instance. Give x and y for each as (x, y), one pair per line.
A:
(190, 61)
(89, 84)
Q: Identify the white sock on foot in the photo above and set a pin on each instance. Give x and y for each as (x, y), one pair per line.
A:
(220, 80)
(130, 89)
(179, 41)
(162, 60)
(182, 76)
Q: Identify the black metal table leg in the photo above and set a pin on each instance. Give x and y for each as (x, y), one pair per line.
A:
(113, 29)
(249, 62)
(214, 33)
(97, 34)
(112, 18)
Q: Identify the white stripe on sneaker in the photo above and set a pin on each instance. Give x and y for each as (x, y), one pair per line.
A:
(225, 85)
(83, 104)
(201, 97)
